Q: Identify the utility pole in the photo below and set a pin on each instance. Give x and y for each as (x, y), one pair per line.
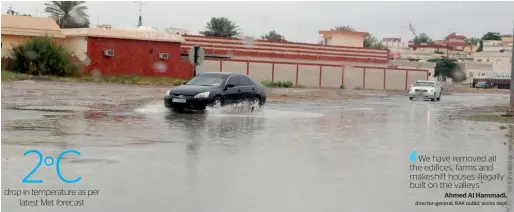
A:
(510, 112)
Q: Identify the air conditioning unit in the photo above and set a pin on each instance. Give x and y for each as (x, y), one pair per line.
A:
(109, 53)
(163, 56)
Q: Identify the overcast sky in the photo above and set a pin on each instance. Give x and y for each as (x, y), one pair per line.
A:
(301, 21)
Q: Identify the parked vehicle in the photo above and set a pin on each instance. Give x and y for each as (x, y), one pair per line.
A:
(484, 85)
(216, 89)
(425, 89)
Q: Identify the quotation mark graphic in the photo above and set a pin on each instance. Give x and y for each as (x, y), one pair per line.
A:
(413, 156)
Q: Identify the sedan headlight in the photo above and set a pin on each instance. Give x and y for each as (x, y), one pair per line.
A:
(202, 95)
(168, 93)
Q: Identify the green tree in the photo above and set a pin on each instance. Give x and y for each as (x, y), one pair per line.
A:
(445, 68)
(221, 27)
(492, 36)
(68, 14)
(345, 28)
(480, 46)
(273, 36)
(422, 38)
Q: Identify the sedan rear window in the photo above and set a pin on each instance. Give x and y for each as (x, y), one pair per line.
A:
(244, 81)
(206, 80)
(424, 84)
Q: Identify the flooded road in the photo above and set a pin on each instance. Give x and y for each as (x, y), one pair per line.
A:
(291, 156)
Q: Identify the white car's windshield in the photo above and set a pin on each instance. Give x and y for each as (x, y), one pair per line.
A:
(425, 84)
(207, 80)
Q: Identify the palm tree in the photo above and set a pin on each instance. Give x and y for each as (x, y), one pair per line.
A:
(473, 41)
(345, 28)
(221, 27)
(371, 41)
(68, 14)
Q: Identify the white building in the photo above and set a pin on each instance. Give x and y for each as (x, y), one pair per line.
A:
(496, 46)
(497, 53)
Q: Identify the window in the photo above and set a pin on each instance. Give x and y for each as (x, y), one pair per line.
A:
(244, 81)
(233, 80)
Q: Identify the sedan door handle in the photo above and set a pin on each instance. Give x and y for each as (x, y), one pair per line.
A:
(239, 90)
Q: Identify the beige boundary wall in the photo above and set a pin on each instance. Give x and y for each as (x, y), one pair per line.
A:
(319, 75)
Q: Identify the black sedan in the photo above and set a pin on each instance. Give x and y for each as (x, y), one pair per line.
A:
(215, 89)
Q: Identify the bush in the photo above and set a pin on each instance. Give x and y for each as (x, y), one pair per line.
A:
(341, 87)
(280, 84)
(43, 56)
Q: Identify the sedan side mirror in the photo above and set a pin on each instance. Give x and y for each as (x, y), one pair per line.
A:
(185, 82)
(230, 85)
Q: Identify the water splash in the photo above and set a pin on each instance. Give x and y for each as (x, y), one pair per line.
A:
(248, 41)
(96, 73)
(160, 67)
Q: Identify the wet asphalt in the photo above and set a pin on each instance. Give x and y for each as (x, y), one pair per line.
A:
(293, 156)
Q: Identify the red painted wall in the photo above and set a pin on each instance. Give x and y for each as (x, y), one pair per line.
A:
(136, 57)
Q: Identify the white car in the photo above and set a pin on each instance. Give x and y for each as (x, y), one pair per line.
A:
(425, 89)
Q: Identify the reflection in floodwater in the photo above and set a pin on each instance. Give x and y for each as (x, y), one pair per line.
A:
(209, 128)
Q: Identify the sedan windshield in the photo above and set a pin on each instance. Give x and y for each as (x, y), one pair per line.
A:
(206, 80)
(425, 84)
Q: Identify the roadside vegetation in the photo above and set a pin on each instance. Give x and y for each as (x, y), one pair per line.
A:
(42, 56)
(280, 84)
(118, 79)
(492, 118)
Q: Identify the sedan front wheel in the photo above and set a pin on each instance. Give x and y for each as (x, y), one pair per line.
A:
(217, 102)
(256, 104)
